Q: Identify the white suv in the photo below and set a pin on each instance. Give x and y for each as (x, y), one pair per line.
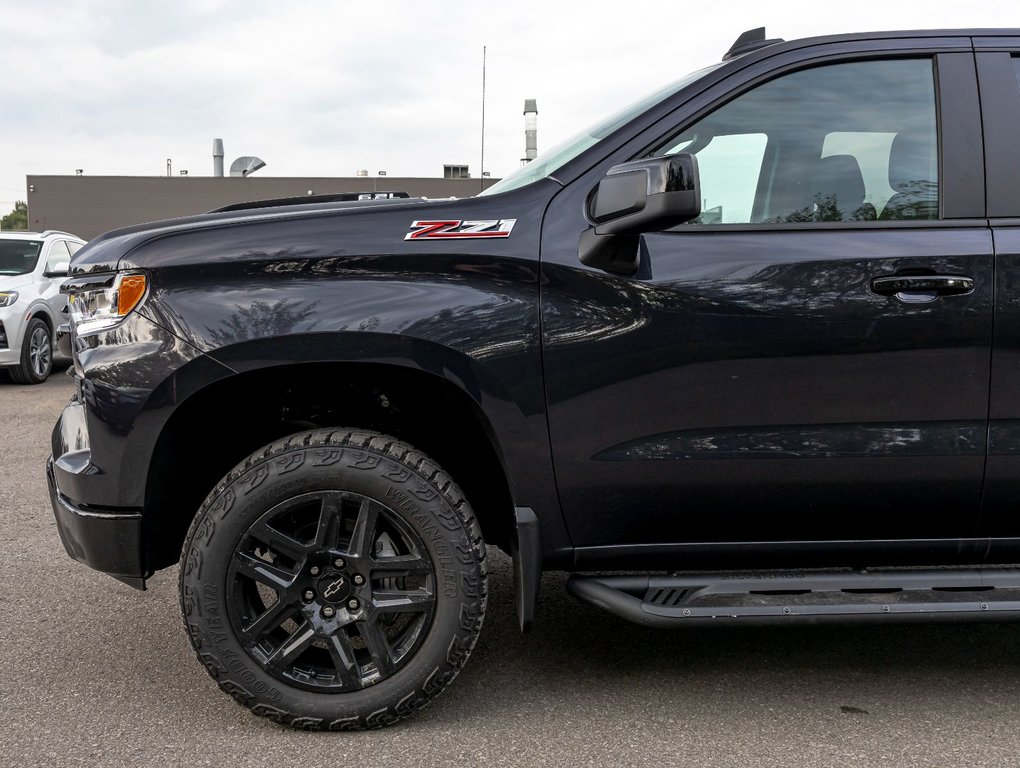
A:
(32, 268)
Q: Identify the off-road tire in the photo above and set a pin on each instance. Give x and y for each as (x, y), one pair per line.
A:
(371, 465)
(26, 371)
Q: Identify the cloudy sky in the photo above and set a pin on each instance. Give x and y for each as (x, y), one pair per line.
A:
(320, 88)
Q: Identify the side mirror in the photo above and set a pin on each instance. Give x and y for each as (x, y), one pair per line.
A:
(647, 195)
(60, 269)
(640, 196)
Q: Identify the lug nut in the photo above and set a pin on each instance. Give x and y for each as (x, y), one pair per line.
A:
(314, 570)
(327, 611)
(339, 562)
(353, 605)
(359, 579)
(308, 595)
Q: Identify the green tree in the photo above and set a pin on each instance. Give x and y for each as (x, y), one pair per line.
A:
(16, 219)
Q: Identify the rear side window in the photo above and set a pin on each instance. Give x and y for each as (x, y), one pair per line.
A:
(843, 142)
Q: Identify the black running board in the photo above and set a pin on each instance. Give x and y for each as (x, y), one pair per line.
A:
(806, 596)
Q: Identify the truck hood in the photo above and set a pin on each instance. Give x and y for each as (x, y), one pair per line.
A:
(505, 224)
(106, 252)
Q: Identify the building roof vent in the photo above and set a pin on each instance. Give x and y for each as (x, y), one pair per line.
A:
(246, 166)
(217, 157)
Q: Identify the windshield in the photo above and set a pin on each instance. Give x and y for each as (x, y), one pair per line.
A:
(18, 257)
(547, 162)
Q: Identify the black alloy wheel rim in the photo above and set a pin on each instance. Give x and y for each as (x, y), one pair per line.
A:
(331, 591)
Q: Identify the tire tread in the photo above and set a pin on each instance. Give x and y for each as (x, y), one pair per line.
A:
(470, 620)
(22, 373)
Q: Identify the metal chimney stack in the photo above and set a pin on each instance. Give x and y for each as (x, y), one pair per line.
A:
(530, 130)
(217, 157)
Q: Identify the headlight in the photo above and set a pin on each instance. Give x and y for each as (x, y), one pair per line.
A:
(98, 307)
(7, 298)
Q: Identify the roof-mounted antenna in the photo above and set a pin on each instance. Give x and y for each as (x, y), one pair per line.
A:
(751, 40)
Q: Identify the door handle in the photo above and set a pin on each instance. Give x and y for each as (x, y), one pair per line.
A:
(920, 288)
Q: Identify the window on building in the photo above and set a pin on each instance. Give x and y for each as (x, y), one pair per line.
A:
(456, 172)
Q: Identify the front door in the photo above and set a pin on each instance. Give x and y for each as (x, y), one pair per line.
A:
(809, 360)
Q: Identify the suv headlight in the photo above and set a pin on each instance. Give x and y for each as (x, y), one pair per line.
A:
(7, 298)
(100, 304)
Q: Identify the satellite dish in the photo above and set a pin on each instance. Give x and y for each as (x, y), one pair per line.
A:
(245, 166)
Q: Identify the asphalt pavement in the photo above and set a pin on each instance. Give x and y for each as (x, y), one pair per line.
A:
(95, 673)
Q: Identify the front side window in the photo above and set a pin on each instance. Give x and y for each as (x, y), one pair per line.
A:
(18, 257)
(845, 142)
(58, 255)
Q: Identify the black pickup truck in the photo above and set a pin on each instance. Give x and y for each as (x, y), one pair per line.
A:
(747, 351)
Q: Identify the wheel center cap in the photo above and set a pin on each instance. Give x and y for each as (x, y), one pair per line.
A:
(334, 588)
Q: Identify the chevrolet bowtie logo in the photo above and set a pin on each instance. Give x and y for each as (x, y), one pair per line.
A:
(334, 588)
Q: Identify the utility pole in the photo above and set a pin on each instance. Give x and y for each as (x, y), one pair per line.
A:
(481, 169)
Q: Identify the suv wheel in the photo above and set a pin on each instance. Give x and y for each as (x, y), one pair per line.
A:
(36, 354)
(334, 580)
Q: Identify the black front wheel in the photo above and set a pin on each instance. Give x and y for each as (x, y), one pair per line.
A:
(334, 579)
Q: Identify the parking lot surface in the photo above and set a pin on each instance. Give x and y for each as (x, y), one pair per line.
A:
(95, 673)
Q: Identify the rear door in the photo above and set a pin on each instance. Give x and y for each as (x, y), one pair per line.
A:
(998, 65)
(799, 365)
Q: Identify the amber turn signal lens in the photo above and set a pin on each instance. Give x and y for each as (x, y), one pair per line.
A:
(129, 293)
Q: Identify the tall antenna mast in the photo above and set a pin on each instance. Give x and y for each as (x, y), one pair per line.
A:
(481, 170)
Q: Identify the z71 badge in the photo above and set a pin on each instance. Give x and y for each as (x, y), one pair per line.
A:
(461, 230)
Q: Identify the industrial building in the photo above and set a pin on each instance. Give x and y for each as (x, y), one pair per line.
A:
(90, 205)
(87, 206)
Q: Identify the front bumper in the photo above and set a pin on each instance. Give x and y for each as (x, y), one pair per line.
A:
(13, 323)
(128, 381)
(107, 540)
